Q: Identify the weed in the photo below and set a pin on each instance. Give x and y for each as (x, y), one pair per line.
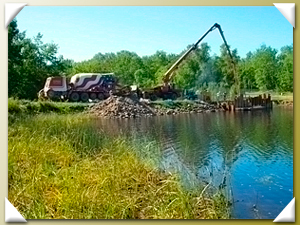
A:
(60, 167)
(17, 106)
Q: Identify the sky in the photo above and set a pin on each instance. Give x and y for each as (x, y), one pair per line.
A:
(83, 31)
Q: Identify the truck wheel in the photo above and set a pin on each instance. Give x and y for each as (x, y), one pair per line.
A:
(165, 97)
(74, 97)
(84, 97)
(93, 96)
(101, 96)
(50, 94)
(153, 97)
(173, 96)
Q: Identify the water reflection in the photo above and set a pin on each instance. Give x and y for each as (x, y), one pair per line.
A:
(253, 149)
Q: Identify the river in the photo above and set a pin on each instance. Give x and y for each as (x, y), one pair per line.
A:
(248, 153)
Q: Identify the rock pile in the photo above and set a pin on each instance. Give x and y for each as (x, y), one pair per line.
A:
(132, 107)
(198, 109)
(121, 107)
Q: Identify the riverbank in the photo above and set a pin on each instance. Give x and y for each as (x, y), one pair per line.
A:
(113, 107)
(279, 99)
(124, 107)
(34, 107)
(61, 168)
(132, 107)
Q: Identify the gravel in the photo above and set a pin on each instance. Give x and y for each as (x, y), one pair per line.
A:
(132, 107)
(122, 107)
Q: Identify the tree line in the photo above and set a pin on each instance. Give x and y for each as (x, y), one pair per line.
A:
(30, 62)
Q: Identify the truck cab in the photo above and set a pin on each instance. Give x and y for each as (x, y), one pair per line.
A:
(55, 88)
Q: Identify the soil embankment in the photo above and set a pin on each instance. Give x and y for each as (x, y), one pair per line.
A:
(132, 107)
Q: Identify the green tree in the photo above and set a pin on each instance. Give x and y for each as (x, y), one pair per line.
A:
(187, 75)
(143, 78)
(157, 65)
(228, 67)
(190, 74)
(265, 65)
(30, 62)
(125, 66)
(203, 53)
(247, 72)
(15, 39)
(156, 61)
(285, 64)
(39, 62)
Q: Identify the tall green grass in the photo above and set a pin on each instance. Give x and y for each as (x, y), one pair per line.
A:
(61, 167)
(16, 106)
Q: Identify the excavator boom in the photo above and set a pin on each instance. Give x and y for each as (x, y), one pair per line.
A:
(170, 73)
(167, 91)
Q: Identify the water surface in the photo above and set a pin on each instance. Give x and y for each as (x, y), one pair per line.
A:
(248, 153)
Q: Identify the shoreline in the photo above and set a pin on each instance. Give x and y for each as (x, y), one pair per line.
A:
(157, 108)
(283, 103)
(117, 177)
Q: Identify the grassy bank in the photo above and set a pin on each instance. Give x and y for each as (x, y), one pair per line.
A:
(275, 96)
(60, 167)
(16, 106)
(33, 107)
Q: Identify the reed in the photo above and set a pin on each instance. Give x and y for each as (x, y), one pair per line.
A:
(17, 106)
(61, 167)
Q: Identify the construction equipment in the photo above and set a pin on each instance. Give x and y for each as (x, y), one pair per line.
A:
(82, 87)
(190, 94)
(167, 90)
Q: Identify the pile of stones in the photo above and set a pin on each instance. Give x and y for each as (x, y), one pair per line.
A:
(132, 107)
(121, 107)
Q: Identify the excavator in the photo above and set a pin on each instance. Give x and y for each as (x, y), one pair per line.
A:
(167, 90)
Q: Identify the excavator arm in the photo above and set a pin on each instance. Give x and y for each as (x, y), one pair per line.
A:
(170, 73)
(237, 84)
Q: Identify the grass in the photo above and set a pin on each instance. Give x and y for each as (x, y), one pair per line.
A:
(61, 167)
(16, 106)
(276, 96)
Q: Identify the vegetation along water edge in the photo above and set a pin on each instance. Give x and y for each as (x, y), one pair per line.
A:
(61, 168)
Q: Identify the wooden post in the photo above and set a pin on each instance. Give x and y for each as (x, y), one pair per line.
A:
(259, 100)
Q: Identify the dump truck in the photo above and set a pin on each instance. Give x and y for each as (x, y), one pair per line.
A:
(82, 87)
(167, 89)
